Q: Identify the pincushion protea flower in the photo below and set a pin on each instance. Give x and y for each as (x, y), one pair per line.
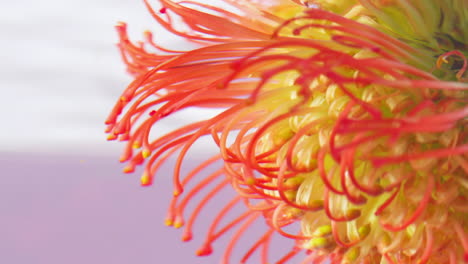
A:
(328, 122)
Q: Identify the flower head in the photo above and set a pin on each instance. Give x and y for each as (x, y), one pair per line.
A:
(327, 122)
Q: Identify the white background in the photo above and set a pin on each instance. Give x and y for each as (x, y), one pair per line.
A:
(63, 198)
(60, 71)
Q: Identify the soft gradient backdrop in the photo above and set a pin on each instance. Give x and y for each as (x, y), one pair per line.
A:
(63, 198)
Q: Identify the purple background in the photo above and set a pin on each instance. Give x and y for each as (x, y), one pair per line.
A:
(82, 209)
(63, 198)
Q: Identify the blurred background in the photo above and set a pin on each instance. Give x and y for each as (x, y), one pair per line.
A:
(63, 197)
(61, 72)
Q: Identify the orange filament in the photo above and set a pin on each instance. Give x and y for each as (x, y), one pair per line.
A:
(307, 98)
(242, 229)
(261, 241)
